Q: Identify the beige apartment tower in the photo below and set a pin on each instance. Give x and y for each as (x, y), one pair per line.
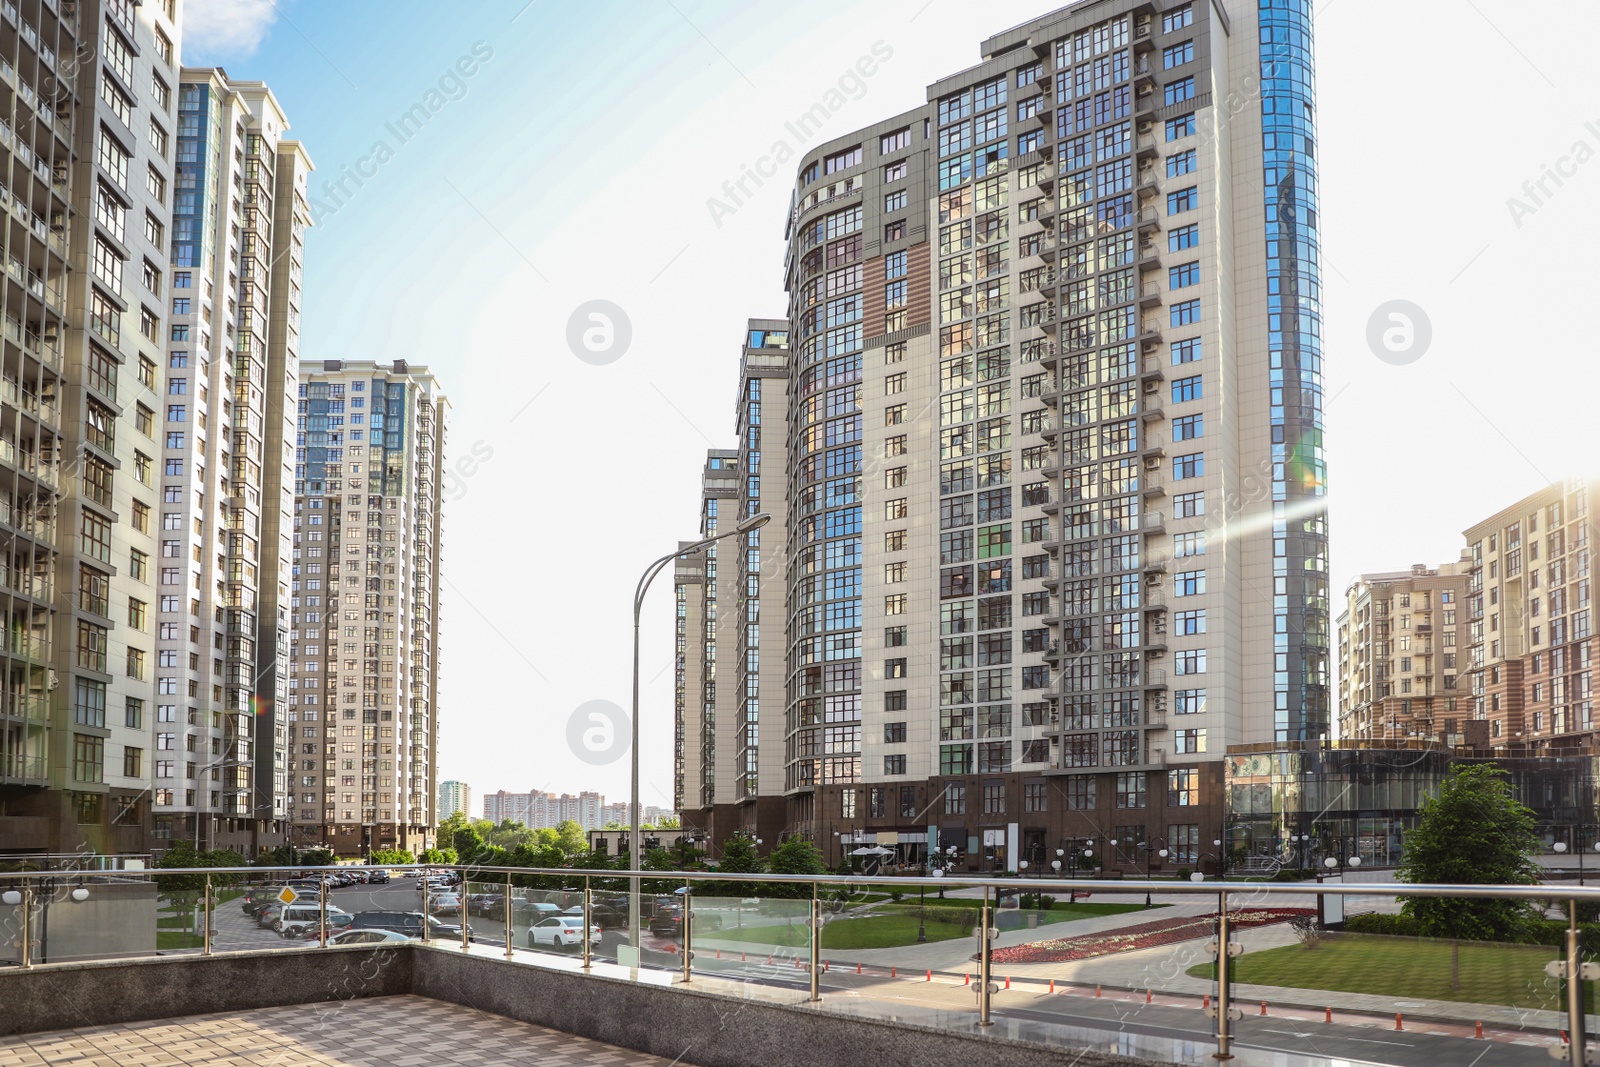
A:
(363, 722)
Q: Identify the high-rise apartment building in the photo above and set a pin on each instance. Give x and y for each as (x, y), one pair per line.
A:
(741, 765)
(1531, 623)
(238, 228)
(363, 724)
(88, 123)
(1404, 655)
(454, 798)
(1055, 531)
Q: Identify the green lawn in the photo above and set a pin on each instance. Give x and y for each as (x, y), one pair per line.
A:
(178, 939)
(876, 931)
(1406, 967)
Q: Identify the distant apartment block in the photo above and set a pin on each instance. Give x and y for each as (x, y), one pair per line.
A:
(538, 810)
(455, 798)
(1404, 655)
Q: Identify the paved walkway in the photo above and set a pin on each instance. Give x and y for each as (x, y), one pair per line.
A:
(380, 1032)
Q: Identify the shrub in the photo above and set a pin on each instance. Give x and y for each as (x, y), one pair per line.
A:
(1046, 902)
(1380, 923)
(1184, 873)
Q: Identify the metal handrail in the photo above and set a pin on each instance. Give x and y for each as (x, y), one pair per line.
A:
(1208, 888)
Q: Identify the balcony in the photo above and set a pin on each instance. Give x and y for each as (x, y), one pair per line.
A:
(1149, 221)
(1144, 108)
(1154, 446)
(1153, 370)
(1149, 295)
(1150, 333)
(1149, 256)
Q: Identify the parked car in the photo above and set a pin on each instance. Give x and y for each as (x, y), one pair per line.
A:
(560, 931)
(408, 923)
(379, 877)
(293, 919)
(365, 937)
(603, 914)
(668, 921)
(445, 903)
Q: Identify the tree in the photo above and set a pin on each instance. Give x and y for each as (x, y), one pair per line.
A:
(669, 822)
(390, 857)
(738, 857)
(1475, 832)
(439, 855)
(570, 838)
(795, 856)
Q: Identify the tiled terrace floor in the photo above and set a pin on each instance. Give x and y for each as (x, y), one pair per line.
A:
(404, 1031)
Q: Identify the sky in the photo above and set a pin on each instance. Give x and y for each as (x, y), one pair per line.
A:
(569, 153)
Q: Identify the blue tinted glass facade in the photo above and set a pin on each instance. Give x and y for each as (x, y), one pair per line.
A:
(1294, 286)
(190, 186)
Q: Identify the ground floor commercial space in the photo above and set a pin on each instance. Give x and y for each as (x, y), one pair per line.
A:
(1258, 808)
(1304, 804)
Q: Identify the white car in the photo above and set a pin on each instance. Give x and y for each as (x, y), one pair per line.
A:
(560, 931)
(367, 937)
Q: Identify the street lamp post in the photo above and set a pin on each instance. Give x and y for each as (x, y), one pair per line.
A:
(1222, 860)
(1297, 844)
(205, 793)
(754, 522)
(1148, 877)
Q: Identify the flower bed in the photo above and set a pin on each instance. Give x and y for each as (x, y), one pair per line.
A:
(1145, 935)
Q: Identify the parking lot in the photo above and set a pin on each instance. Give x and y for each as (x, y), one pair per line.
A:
(235, 930)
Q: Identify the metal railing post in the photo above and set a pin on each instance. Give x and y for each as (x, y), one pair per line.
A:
(205, 944)
(688, 935)
(1224, 983)
(461, 913)
(27, 925)
(588, 921)
(322, 914)
(816, 945)
(983, 961)
(510, 929)
(1577, 1041)
(425, 931)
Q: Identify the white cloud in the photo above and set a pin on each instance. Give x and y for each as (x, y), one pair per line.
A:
(221, 28)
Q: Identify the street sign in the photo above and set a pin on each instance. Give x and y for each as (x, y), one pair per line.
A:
(288, 896)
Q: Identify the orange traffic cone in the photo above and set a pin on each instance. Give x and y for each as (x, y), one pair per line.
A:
(719, 953)
(1097, 989)
(1399, 1024)
(1008, 981)
(930, 975)
(1479, 1034)
(1327, 1015)
(892, 972)
(1052, 985)
(1263, 1007)
(966, 979)
(858, 968)
(1205, 1001)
